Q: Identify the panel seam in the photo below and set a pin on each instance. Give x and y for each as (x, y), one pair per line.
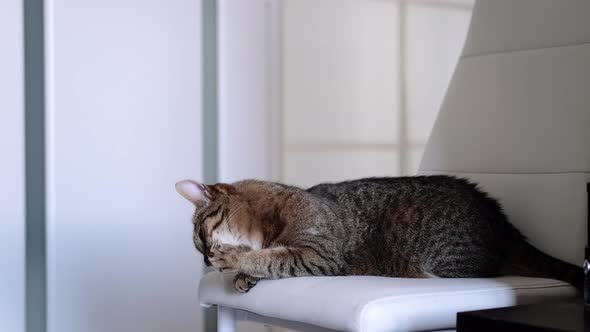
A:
(505, 173)
(468, 56)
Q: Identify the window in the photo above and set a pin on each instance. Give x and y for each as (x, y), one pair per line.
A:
(362, 81)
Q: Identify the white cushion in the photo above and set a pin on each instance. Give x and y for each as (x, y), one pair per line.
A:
(378, 303)
(508, 25)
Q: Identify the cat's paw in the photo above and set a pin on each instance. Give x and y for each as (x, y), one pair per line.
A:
(227, 258)
(243, 282)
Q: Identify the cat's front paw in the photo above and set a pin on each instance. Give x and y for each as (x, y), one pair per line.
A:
(243, 282)
(227, 258)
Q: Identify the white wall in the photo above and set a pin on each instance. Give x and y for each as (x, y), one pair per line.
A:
(11, 168)
(247, 89)
(123, 124)
(340, 90)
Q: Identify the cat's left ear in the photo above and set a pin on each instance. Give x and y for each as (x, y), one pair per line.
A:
(195, 192)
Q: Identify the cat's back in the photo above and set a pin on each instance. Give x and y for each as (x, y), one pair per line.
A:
(400, 217)
(378, 189)
(375, 200)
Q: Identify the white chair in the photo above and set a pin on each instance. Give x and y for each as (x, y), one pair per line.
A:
(516, 119)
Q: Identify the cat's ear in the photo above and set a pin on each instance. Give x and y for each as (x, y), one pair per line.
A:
(223, 188)
(195, 192)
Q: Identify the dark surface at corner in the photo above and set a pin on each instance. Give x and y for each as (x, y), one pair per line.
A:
(568, 316)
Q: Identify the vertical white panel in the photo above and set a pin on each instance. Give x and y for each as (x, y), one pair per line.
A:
(246, 77)
(435, 39)
(340, 89)
(340, 73)
(124, 123)
(11, 167)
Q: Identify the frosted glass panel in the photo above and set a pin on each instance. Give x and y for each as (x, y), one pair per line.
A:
(435, 39)
(124, 126)
(414, 157)
(308, 168)
(245, 69)
(340, 70)
(12, 217)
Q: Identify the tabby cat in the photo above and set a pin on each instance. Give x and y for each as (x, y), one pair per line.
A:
(411, 227)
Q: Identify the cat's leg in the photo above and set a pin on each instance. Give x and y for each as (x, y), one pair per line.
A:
(224, 257)
(227, 258)
(274, 263)
(243, 282)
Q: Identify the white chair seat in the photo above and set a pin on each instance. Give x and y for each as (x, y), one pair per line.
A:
(378, 303)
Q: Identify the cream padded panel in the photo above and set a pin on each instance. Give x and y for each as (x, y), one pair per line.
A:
(521, 112)
(507, 25)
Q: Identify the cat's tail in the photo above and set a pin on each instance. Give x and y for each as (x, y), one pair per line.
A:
(524, 259)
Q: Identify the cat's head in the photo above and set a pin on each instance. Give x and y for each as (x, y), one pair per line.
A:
(222, 213)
